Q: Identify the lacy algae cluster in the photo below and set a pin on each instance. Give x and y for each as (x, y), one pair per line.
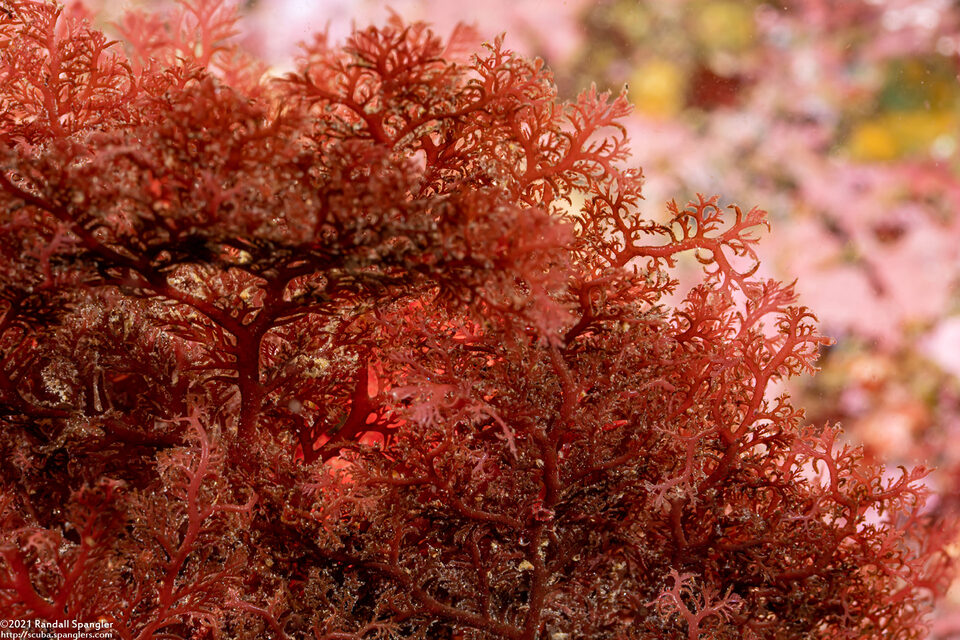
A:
(386, 348)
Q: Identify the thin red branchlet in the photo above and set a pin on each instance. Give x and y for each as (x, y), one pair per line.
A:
(386, 349)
